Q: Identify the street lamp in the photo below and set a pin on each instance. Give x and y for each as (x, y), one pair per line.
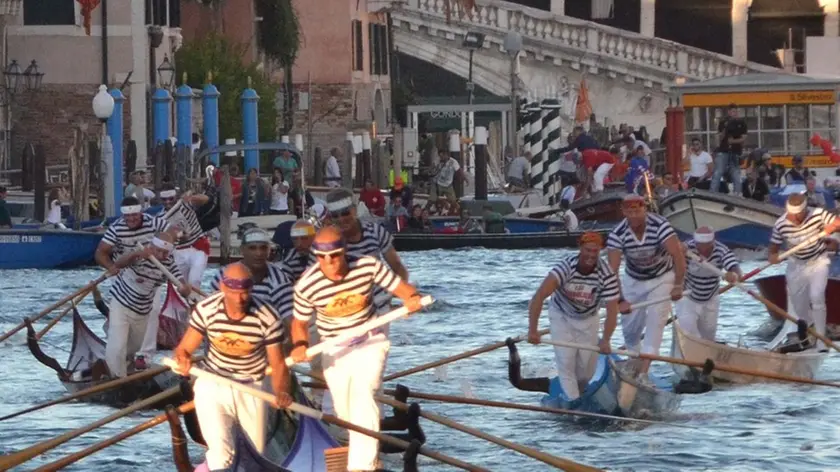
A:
(103, 108)
(472, 41)
(103, 104)
(12, 74)
(33, 77)
(166, 73)
(16, 80)
(513, 45)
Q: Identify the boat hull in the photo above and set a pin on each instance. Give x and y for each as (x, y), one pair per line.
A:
(127, 394)
(46, 249)
(596, 398)
(774, 288)
(738, 222)
(428, 242)
(605, 208)
(637, 400)
(801, 364)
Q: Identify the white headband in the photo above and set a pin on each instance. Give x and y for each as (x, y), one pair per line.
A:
(159, 243)
(259, 236)
(796, 209)
(168, 193)
(704, 237)
(131, 209)
(340, 205)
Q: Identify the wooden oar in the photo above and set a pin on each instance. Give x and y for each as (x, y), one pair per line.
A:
(77, 456)
(54, 306)
(457, 357)
(655, 301)
(54, 321)
(318, 415)
(772, 306)
(17, 458)
(169, 275)
(699, 365)
(558, 462)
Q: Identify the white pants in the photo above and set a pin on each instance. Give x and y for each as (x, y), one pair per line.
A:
(649, 320)
(125, 336)
(600, 174)
(573, 365)
(149, 346)
(223, 412)
(699, 318)
(333, 183)
(353, 376)
(192, 263)
(806, 282)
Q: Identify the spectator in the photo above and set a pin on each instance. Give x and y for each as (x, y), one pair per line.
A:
(332, 171)
(373, 199)
(519, 172)
(279, 193)
(701, 166)
(494, 222)
(580, 141)
(427, 222)
(567, 216)
(397, 215)
(286, 162)
(448, 170)
(468, 224)
(755, 188)
(732, 132)
(403, 192)
(815, 196)
(295, 197)
(799, 173)
(636, 171)
(253, 201)
(597, 164)
(415, 221)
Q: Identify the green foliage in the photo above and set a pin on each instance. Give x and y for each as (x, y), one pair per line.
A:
(279, 31)
(224, 59)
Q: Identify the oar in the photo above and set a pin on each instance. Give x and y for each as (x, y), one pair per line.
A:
(54, 306)
(17, 458)
(54, 321)
(655, 301)
(169, 275)
(558, 462)
(313, 413)
(772, 306)
(77, 456)
(700, 365)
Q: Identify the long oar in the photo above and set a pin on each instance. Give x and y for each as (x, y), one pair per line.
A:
(457, 357)
(169, 275)
(54, 306)
(655, 301)
(77, 456)
(700, 365)
(54, 321)
(558, 462)
(313, 413)
(17, 458)
(772, 306)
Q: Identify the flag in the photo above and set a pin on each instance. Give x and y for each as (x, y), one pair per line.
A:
(87, 7)
(583, 109)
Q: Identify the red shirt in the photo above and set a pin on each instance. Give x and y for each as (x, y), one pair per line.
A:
(235, 188)
(592, 158)
(374, 201)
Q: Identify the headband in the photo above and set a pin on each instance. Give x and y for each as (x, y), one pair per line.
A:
(340, 204)
(303, 231)
(633, 203)
(591, 237)
(159, 243)
(704, 237)
(327, 248)
(255, 236)
(168, 193)
(237, 283)
(796, 209)
(131, 209)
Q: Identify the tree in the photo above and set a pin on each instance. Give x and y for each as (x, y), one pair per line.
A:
(280, 38)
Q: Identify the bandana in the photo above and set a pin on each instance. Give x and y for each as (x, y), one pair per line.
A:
(327, 248)
(591, 237)
(256, 236)
(303, 231)
(168, 194)
(704, 237)
(161, 244)
(131, 209)
(340, 204)
(633, 201)
(796, 209)
(236, 283)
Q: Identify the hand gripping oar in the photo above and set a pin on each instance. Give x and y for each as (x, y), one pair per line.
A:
(169, 275)
(313, 413)
(772, 306)
(55, 305)
(700, 365)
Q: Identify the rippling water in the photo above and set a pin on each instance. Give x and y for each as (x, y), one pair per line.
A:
(484, 297)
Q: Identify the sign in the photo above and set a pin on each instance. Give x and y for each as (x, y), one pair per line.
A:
(811, 162)
(805, 97)
(441, 121)
(17, 239)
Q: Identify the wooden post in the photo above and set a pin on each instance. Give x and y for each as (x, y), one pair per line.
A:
(96, 172)
(130, 162)
(26, 167)
(347, 167)
(226, 211)
(39, 175)
(79, 173)
(318, 168)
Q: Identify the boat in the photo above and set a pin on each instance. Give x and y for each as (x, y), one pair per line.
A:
(604, 207)
(173, 319)
(797, 364)
(779, 195)
(86, 368)
(406, 241)
(774, 288)
(738, 222)
(612, 389)
(47, 248)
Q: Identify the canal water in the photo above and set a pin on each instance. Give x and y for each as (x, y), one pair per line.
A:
(483, 297)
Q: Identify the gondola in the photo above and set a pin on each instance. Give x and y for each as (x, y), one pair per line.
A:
(544, 240)
(774, 288)
(173, 317)
(86, 368)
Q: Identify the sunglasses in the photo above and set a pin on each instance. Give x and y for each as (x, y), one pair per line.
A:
(332, 254)
(344, 212)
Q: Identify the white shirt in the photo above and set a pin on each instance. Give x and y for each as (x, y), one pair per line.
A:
(518, 167)
(280, 197)
(333, 171)
(54, 217)
(571, 220)
(699, 164)
(447, 172)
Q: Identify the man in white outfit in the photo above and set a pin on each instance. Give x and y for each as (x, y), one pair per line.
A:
(180, 214)
(578, 286)
(332, 171)
(807, 269)
(697, 312)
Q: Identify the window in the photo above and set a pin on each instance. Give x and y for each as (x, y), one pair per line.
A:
(378, 41)
(373, 49)
(603, 9)
(695, 119)
(49, 12)
(822, 116)
(358, 50)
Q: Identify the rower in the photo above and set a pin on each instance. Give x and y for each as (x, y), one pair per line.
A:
(655, 267)
(807, 269)
(132, 297)
(698, 311)
(577, 287)
(245, 335)
(299, 258)
(339, 292)
(181, 216)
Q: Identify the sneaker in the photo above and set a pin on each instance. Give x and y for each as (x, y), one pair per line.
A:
(140, 363)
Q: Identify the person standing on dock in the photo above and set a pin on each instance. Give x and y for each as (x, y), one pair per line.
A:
(339, 292)
(578, 285)
(807, 269)
(697, 312)
(655, 266)
(245, 335)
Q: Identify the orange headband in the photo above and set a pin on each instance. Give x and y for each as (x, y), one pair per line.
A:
(591, 237)
(633, 203)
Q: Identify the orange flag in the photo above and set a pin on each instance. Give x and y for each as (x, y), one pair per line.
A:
(584, 107)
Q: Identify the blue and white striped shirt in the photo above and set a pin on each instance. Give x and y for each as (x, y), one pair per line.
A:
(580, 295)
(645, 259)
(275, 289)
(785, 232)
(703, 282)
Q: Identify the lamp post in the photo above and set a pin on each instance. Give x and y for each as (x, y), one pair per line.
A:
(103, 108)
(513, 45)
(472, 41)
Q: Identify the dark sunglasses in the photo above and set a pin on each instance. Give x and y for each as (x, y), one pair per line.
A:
(344, 212)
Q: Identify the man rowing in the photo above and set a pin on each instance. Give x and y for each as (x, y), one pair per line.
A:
(655, 267)
(339, 291)
(697, 312)
(577, 286)
(245, 335)
(807, 269)
(192, 249)
(299, 258)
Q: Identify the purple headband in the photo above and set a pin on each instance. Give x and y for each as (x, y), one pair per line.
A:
(330, 247)
(237, 284)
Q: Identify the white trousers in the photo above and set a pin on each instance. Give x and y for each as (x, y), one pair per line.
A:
(353, 376)
(806, 282)
(573, 365)
(699, 318)
(223, 412)
(125, 336)
(192, 263)
(149, 346)
(600, 174)
(649, 320)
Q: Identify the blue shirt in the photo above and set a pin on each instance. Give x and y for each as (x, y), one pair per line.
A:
(638, 167)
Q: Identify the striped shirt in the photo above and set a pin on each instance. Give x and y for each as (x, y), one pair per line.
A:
(646, 259)
(136, 286)
(295, 263)
(580, 295)
(703, 282)
(345, 303)
(124, 239)
(375, 242)
(786, 232)
(237, 348)
(275, 289)
(183, 217)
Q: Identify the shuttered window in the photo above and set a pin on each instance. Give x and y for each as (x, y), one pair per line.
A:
(49, 12)
(378, 49)
(358, 49)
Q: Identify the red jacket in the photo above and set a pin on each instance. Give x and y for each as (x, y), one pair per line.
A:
(374, 200)
(592, 158)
